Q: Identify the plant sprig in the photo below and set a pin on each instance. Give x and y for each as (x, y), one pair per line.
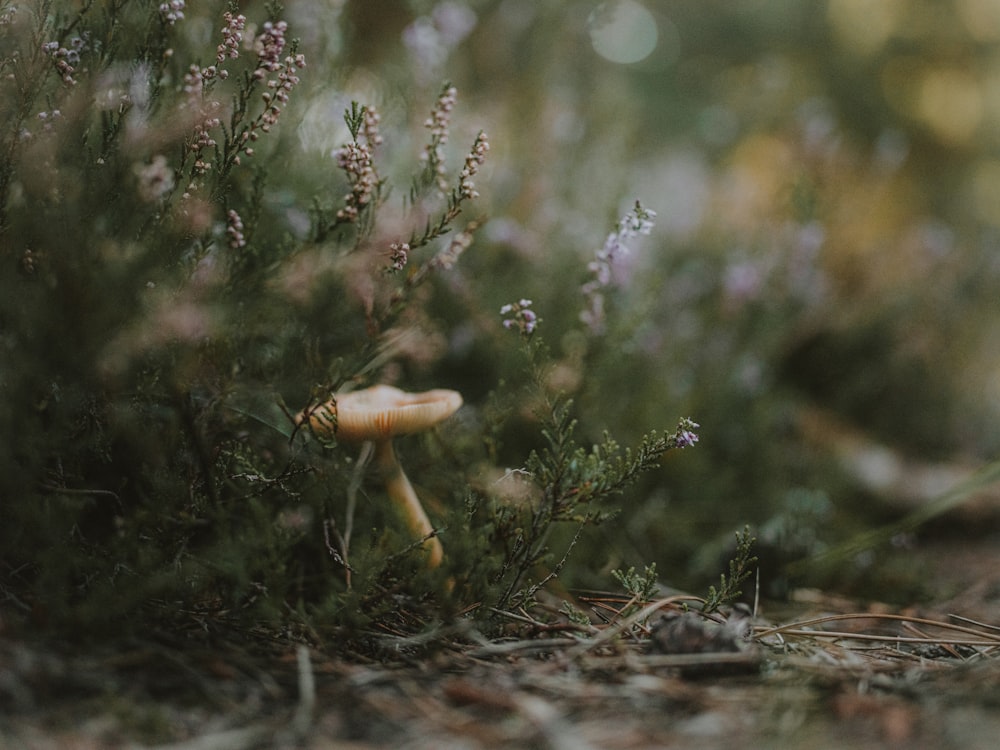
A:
(741, 567)
(576, 483)
(640, 587)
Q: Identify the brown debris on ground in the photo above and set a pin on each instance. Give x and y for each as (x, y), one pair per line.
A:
(655, 674)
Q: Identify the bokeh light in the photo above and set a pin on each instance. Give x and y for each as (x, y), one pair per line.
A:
(623, 31)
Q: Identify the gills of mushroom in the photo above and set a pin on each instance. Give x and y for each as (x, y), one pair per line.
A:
(378, 414)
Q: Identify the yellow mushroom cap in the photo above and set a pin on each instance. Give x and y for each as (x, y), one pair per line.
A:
(382, 412)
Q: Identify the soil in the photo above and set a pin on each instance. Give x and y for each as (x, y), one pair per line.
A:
(546, 688)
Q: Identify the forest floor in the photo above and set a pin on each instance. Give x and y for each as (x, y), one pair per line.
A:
(891, 678)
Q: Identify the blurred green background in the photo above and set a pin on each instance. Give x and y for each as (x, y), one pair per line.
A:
(820, 290)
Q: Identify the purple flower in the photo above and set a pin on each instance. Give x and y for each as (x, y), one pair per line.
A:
(685, 439)
(399, 255)
(685, 436)
(522, 318)
(638, 220)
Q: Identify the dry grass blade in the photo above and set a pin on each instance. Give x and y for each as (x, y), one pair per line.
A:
(952, 498)
(971, 637)
(976, 623)
(531, 645)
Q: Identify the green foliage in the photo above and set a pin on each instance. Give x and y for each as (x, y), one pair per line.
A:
(354, 118)
(576, 479)
(741, 567)
(576, 485)
(152, 320)
(172, 281)
(639, 586)
(574, 615)
(177, 266)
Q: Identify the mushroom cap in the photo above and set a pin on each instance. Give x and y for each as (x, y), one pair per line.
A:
(381, 412)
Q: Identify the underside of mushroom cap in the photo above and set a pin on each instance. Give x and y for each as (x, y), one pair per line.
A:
(382, 412)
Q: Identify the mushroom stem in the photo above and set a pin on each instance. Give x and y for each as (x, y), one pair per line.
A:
(401, 492)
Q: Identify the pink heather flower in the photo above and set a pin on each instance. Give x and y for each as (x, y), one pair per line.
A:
(370, 129)
(172, 11)
(355, 160)
(440, 118)
(234, 230)
(522, 319)
(194, 80)
(400, 253)
(637, 221)
(279, 87)
(65, 59)
(49, 119)
(232, 37)
(473, 161)
(269, 46)
(685, 436)
(439, 123)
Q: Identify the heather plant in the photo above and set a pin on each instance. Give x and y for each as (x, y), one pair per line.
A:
(640, 587)
(170, 310)
(574, 484)
(147, 316)
(741, 567)
(129, 200)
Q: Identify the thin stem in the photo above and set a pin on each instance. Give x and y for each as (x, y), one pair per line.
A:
(352, 503)
(401, 492)
(352, 491)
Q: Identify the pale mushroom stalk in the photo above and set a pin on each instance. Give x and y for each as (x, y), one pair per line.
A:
(401, 492)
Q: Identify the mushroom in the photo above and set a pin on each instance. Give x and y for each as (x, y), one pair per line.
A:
(377, 415)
